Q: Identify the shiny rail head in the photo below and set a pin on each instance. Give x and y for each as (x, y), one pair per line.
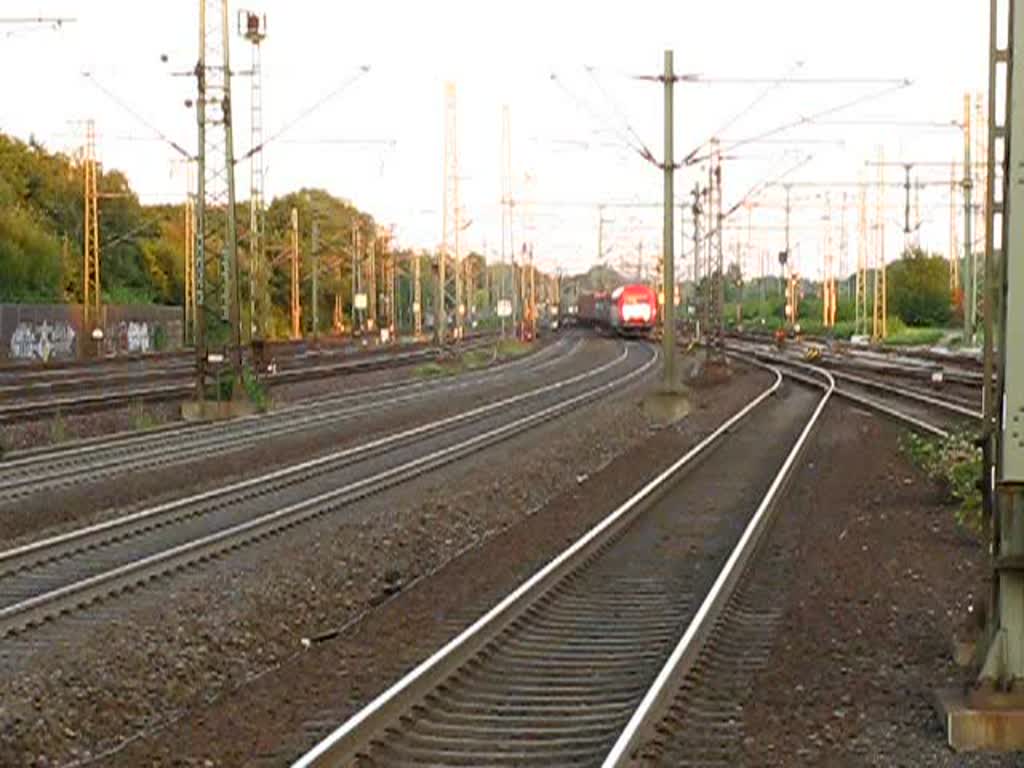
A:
(375, 715)
(686, 651)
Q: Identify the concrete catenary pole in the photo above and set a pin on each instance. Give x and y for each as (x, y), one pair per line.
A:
(668, 237)
(314, 257)
(968, 269)
(296, 305)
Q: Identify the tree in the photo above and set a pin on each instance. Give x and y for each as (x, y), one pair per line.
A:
(919, 289)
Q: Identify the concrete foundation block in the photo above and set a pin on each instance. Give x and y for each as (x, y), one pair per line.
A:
(973, 729)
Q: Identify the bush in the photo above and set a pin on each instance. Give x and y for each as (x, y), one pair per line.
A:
(159, 338)
(956, 462)
(256, 390)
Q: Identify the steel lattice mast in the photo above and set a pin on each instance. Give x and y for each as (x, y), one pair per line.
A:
(253, 27)
(507, 287)
(190, 254)
(716, 258)
(217, 297)
(91, 233)
(448, 290)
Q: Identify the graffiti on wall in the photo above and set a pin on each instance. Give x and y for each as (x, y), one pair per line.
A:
(134, 336)
(43, 341)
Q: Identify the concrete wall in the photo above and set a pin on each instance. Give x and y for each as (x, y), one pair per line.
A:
(55, 331)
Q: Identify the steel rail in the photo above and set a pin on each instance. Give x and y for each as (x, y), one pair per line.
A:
(910, 394)
(697, 633)
(873, 404)
(345, 742)
(88, 446)
(10, 413)
(38, 608)
(77, 540)
(98, 459)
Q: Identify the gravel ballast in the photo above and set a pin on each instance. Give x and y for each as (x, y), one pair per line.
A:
(57, 509)
(885, 576)
(200, 635)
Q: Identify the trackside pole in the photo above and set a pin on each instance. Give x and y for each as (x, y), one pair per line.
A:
(990, 714)
(670, 383)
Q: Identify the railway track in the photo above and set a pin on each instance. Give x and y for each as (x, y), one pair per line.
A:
(106, 458)
(60, 390)
(900, 358)
(924, 411)
(47, 578)
(574, 663)
(699, 719)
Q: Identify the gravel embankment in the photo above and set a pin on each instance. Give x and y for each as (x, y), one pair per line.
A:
(59, 509)
(56, 429)
(218, 653)
(884, 578)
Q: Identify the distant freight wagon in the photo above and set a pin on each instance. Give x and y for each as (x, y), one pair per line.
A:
(630, 310)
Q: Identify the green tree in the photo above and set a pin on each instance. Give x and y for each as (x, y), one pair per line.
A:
(919, 289)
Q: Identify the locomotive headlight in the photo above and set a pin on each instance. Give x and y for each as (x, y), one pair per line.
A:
(640, 312)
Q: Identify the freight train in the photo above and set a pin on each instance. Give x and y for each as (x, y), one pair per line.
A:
(630, 310)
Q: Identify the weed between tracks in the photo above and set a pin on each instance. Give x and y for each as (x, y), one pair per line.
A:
(140, 418)
(474, 359)
(956, 462)
(223, 388)
(58, 428)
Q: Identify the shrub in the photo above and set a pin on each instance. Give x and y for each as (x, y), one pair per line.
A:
(956, 462)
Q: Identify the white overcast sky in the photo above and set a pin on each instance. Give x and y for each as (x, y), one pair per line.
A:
(566, 132)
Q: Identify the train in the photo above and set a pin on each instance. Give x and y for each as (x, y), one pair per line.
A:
(629, 310)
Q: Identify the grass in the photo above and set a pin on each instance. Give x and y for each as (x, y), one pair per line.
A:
(474, 359)
(140, 418)
(510, 348)
(900, 335)
(58, 429)
(907, 337)
(432, 370)
(477, 358)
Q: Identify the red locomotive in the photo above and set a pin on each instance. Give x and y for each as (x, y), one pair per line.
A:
(630, 310)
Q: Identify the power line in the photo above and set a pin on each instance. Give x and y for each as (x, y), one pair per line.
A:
(892, 81)
(615, 105)
(386, 142)
(307, 112)
(742, 113)
(640, 150)
(55, 20)
(814, 117)
(159, 134)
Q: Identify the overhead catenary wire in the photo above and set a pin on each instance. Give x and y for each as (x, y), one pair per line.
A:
(643, 151)
(755, 189)
(288, 125)
(814, 117)
(138, 116)
(730, 122)
(646, 152)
